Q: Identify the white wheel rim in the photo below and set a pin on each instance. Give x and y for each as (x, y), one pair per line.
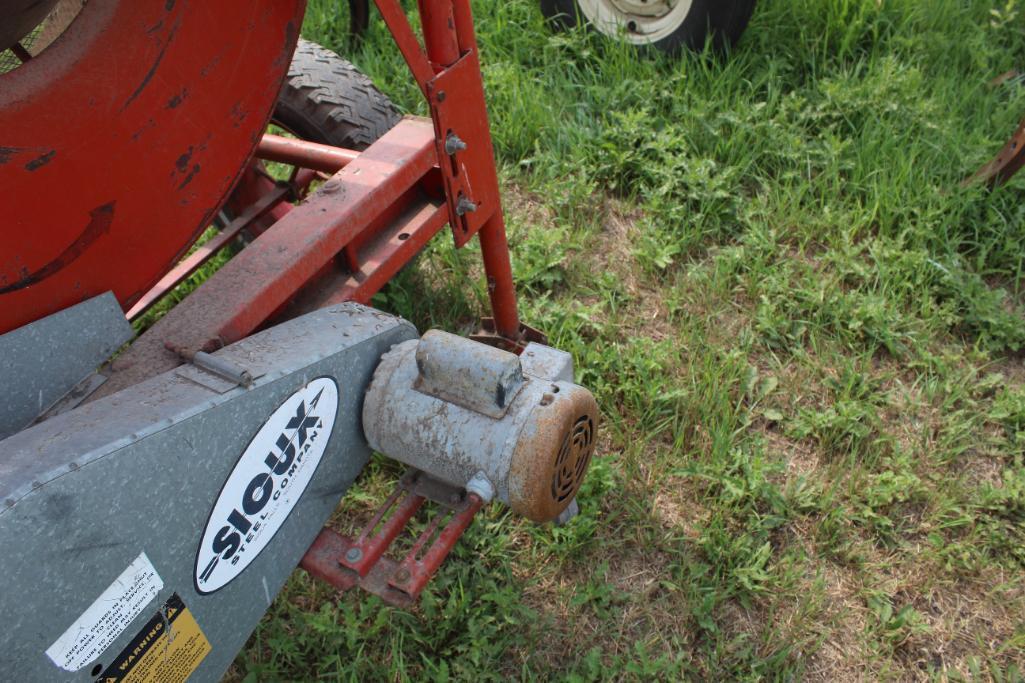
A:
(638, 21)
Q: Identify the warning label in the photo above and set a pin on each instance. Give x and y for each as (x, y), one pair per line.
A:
(108, 617)
(167, 649)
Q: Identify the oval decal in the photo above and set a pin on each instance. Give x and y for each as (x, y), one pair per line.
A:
(266, 483)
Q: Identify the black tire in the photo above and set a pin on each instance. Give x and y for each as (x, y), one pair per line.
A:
(722, 21)
(326, 99)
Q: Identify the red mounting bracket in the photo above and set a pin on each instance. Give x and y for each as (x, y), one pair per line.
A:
(447, 69)
(456, 96)
(345, 563)
(488, 334)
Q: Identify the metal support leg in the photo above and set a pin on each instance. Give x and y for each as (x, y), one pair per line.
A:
(346, 563)
(498, 270)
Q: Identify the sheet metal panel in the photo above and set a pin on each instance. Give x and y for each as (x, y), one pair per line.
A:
(84, 493)
(44, 360)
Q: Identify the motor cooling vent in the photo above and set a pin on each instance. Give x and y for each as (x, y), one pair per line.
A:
(574, 456)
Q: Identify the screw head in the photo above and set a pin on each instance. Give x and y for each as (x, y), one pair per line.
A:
(354, 555)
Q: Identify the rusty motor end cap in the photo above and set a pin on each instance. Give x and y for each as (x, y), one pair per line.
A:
(553, 452)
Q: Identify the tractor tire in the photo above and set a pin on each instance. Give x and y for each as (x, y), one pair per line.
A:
(326, 99)
(688, 23)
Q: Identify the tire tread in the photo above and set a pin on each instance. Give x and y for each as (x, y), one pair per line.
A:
(328, 100)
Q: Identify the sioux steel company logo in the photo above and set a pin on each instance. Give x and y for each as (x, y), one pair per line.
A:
(265, 485)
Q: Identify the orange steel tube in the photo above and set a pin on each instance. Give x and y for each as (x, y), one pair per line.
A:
(464, 25)
(495, 249)
(306, 154)
(447, 35)
(448, 31)
(439, 27)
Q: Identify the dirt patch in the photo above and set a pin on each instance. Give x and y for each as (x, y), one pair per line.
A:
(843, 654)
(802, 460)
(675, 507)
(1013, 369)
(984, 470)
(966, 618)
(613, 606)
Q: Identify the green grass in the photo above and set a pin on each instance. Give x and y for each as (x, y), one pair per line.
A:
(805, 339)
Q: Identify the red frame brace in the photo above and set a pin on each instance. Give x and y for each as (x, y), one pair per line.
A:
(346, 563)
(449, 76)
(358, 229)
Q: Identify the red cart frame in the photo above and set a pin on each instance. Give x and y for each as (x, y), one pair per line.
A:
(372, 216)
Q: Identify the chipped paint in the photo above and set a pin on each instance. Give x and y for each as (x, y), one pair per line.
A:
(7, 152)
(177, 99)
(153, 69)
(189, 177)
(41, 160)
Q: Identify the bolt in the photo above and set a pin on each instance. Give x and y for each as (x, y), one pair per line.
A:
(441, 96)
(453, 144)
(464, 205)
(401, 576)
(353, 555)
(331, 186)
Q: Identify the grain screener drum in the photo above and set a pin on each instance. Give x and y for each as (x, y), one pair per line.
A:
(123, 137)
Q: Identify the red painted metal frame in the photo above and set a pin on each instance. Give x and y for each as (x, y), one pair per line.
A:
(310, 155)
(370, 546)
(417, 568)
(347, 563)
(270, 273)
(204, 252)
(271, 203)
(449, 76)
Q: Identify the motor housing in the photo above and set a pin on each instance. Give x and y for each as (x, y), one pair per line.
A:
(515, 427)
